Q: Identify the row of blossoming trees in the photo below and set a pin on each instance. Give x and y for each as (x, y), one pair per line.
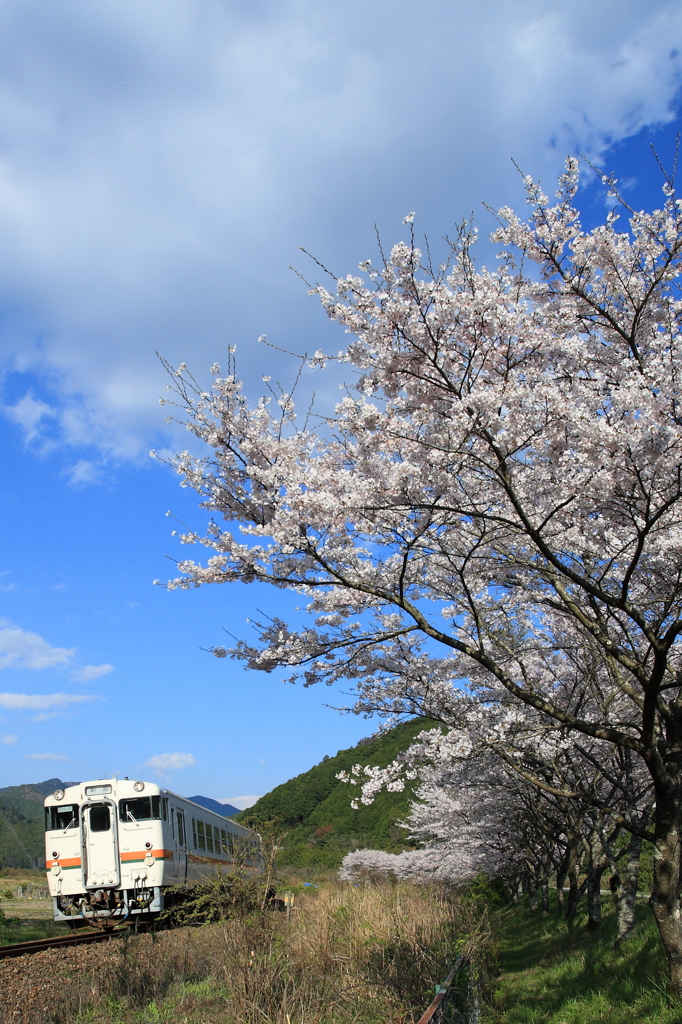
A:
(487, 531)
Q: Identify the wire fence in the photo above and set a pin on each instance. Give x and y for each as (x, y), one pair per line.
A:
(457, 1000)
(26, 891)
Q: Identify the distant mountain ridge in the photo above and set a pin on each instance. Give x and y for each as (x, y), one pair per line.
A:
(227, 810)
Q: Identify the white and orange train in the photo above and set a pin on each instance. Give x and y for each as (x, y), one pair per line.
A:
(113, 847)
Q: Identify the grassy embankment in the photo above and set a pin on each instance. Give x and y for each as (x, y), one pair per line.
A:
(368, 955)
(553, 974)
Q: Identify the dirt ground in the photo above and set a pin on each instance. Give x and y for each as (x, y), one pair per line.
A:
(25, 909)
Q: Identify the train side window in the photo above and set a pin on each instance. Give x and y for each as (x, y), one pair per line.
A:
(201, 835)
(172, 821)
(61, 818)
(140, 808)
(100, 818)
(164, 808)
(181, 828)
(194, 832)
(223, 842)
(209, 838)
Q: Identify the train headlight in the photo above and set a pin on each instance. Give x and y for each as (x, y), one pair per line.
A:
(137, 786)
(58, 794)
(55, 854)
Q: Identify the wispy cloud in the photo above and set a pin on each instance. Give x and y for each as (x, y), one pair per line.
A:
(48, 757)
(170, 762)
(84, 472)
(89, 673)
(242, 802)
(8, 739)
(41, 701)
(29, 412)
(21, 649)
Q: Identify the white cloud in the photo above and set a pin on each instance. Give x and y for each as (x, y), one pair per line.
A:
(242, 802)
(170, 762)
(48, 757)
(41, 701)
(84, 472)
(91, 672)
(205, 142)
(21, 649)
(29, 413)
(8, 739)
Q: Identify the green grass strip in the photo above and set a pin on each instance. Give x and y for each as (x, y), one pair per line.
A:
(555, 974)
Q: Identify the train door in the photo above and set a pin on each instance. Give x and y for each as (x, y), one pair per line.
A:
(182, 845)
(100, 844)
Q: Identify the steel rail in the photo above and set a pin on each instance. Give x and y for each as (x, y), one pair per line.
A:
(38, 945)
(437, 1006)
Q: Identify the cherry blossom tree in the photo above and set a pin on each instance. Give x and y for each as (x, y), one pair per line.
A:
(521, 802)
(504, 475)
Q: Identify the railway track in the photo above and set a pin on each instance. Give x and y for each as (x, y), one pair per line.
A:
(38, 945)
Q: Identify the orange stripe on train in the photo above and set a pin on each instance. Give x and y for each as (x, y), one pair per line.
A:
(141, 854)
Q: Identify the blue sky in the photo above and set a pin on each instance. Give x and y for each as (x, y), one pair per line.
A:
(160, 165)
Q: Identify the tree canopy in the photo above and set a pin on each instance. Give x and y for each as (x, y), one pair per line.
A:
(488, 527)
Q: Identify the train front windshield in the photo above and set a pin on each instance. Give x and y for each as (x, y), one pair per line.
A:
(59, 819)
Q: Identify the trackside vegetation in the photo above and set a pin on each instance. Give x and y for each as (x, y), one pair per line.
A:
(346, 955)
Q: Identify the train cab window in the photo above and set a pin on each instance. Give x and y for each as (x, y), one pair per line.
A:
(201, 835)
(61, 818)
(209, 838)
(100, 818)
(140, 808)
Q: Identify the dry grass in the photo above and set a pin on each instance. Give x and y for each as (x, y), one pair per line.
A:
(347, 956)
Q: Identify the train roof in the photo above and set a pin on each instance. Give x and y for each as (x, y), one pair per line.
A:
(125, 788)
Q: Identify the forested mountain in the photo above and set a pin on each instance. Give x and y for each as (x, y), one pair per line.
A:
(21, 811)
(315, 806)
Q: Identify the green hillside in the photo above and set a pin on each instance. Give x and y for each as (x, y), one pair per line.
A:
(316, 806)
(22, 808)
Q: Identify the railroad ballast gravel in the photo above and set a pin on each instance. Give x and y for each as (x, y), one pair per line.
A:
(31, 986)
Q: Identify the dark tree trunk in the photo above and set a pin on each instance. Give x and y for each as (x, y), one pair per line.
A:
(572, 901)
(625, 889)
(573, 873)
(560, 879)
(594, 876)
(665, 891)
